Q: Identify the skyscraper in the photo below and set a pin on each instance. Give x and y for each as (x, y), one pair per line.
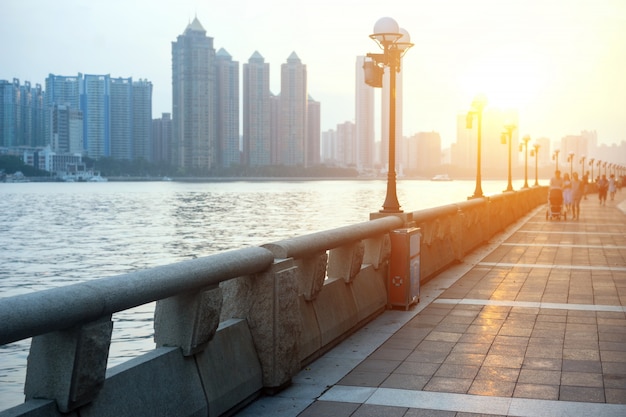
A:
(256, 111)
(313, 133)
(21, 114)
(227, 100)
(142, 120)
(161, 138)
(364, 105)
(193, 101)
(94, 102)
(293, 112)
(121, 118)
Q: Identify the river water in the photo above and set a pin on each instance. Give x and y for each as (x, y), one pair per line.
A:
(55, 234)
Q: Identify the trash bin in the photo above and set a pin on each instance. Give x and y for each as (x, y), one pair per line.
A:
(404, 268)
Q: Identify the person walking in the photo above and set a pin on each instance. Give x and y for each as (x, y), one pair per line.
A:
(603, 187)
(612, 186)
(585, 182)
(567, 192)
(577, 189)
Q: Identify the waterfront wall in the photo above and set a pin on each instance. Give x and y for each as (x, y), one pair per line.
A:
(232, 325)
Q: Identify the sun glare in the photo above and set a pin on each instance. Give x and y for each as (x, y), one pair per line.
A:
(507, 82)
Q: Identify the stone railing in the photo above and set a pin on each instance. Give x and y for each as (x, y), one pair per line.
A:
(230, 325)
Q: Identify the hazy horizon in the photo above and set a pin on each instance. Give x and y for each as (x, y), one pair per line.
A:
(560, 64)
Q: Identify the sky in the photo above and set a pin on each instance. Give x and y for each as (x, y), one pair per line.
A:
(560, 63)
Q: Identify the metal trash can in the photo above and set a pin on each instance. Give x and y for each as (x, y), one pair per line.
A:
(403, 287)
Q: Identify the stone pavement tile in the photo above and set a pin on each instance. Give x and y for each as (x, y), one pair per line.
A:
(504, 349)
(414, 412)
(475, 359)
(427, 356)
(539, 392)
(479, 348)
(477, 338)
(542, 351)
(539, 377)
(581, 343)
(454, 385)
(612, 356)
(581, 394)
(491, 373)
(511, 340)
(581, 354)
(546, 364)
(570, 365)
(371, 410)
(492, 388)
(476, 415)
(329, 409)
(436, 336)
(614, 380)
(417, 368)
(435, 346)
(504, 361)
(615, 346)
(364, 379)
(391, 353)
(582, 379)
(457, 371)
(483, 329)
(615, 396)
(451, 328)
(405, 381)
(612, 337)
(377, 365)
(515, 330)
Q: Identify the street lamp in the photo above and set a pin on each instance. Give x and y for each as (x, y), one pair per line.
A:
(526, 139)
(604, 166)
(507, 135)
(570, 159)
(591, 160)
(582, 165)
(555, 157)
(536, 151)
(394, 42)
(478, 105)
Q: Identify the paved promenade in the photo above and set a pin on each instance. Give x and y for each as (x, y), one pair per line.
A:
(533, 324)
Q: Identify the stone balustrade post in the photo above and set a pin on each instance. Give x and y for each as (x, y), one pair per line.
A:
(69, 366)
(188, 320)
(345, 261)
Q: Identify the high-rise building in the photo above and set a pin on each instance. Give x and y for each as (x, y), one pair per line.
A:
(313, 134)
(293, 112)
(121, 118)
(94, 102)
(193, 101)
(227, 100)
(256, 111)
(66, 129)
(346, 144)
(142, 120)
(161, 138)
(364, 109)
(422, 153)
(21, 114)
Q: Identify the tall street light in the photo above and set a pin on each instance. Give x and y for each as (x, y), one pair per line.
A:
(478, 105)
(536, 152)
(524, 146)
(591, 164)
(570, 159)
(394, 42)
(507, 136)
(555, 157)
(582, 165)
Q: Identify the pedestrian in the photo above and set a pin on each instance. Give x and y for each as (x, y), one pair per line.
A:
(577, 188)
(585, 183)
(603, 187)
(612, 186)
(567, 192)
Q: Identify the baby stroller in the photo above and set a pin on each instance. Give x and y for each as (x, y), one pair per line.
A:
(555, 205)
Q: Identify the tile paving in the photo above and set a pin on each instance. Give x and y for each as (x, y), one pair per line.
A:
(535, 327)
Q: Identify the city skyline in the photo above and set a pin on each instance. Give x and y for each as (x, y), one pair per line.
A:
(537, 57)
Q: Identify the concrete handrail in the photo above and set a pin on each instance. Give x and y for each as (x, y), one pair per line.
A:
(300, 246)
(32, 314)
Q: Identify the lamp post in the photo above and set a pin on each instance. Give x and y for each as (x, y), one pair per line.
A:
(526, 139)
(582, 165)
(507, 135)
(478, 105)
(591, 160)
(536, 146)
(604, 166)
(570, 159)
(555, 157)
(394, 42)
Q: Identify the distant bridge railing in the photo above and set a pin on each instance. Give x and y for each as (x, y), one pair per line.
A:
(231, 325)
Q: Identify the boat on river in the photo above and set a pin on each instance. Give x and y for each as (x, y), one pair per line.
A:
(441, 177)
